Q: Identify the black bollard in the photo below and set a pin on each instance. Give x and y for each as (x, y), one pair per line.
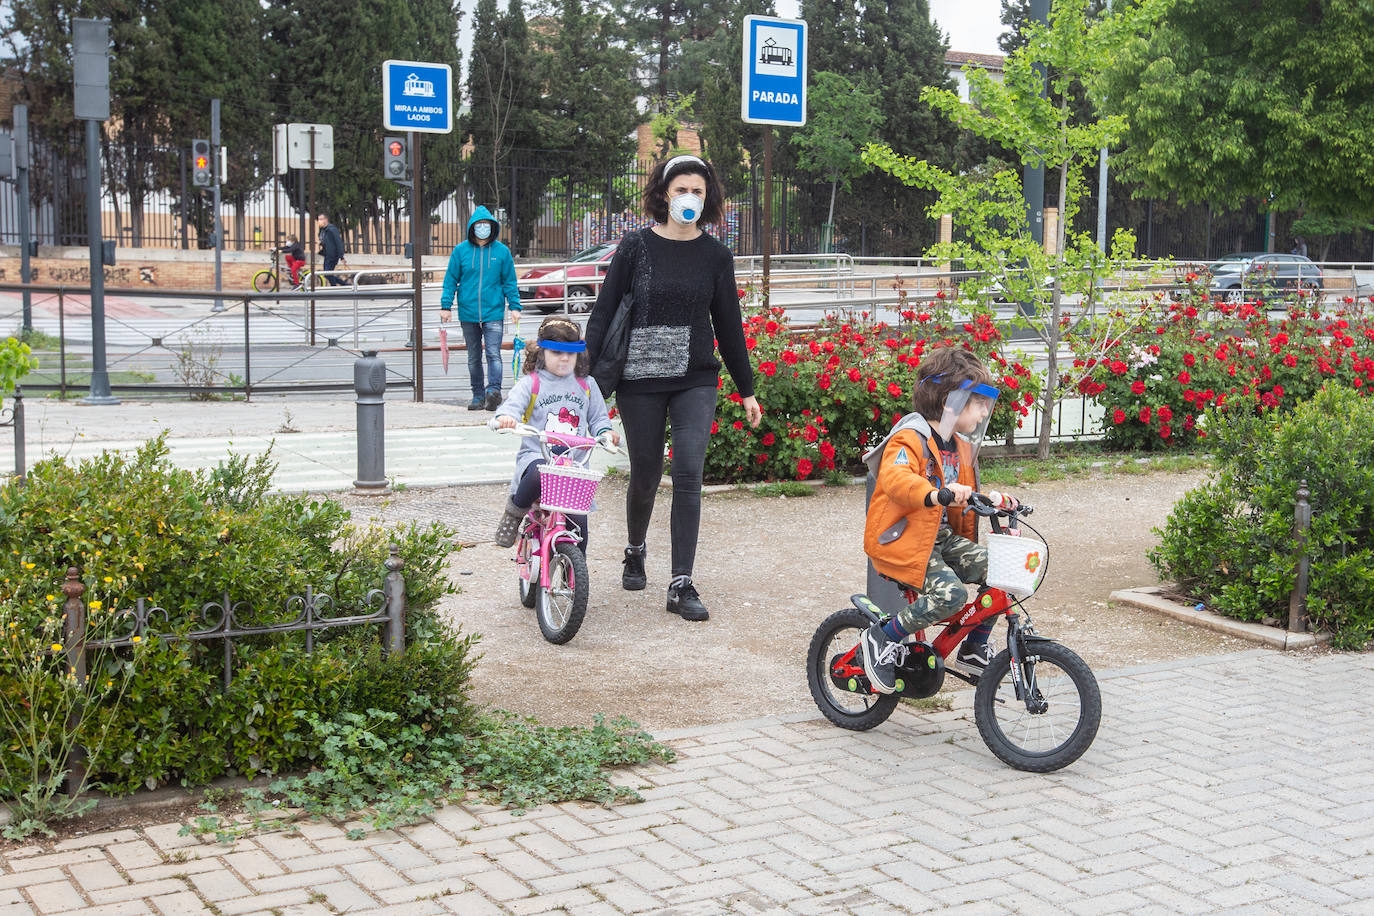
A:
(369, 382)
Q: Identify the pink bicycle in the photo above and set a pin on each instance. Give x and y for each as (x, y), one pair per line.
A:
(551, 568)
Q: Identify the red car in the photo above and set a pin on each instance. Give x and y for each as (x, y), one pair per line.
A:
(544, 286)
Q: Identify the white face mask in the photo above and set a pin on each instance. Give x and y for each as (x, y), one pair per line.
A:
(482, 230)
(685, 209)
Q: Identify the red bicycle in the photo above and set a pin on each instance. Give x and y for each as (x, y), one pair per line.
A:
(1037, 704)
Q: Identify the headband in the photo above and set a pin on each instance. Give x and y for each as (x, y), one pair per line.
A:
(679, 161)
(564, 346)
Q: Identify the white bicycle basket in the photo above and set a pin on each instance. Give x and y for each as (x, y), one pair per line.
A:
(567, 488)
(1015, 564)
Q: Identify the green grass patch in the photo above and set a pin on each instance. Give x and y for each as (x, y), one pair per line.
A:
(783, 488)
(1081, 462)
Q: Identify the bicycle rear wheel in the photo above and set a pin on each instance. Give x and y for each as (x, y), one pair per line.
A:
(834, 674)
(265, 281)
(527, 578)
(561, 607)
(1060, 720)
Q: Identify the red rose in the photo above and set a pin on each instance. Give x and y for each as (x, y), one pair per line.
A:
(789, 357)
(1144, 415)
(823, 382)
(811, 434)
(768, 368)
(804, 468)
(715, 427)
(1189, 359)
(1184, 378)
(1165, 414)
(855, 375)
(768, 439)
(1118, 416)
(1137, 387)
(894, 389)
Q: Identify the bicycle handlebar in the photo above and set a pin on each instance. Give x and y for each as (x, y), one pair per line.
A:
(983, 505)
(567, 440)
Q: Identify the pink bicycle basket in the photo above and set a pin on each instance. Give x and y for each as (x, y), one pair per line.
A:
(567, 488)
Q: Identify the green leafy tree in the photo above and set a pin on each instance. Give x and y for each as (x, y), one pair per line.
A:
(994, 237)
(841, 120)
(504, 115)
(1233, 99)
(589, 97)
(894, 50)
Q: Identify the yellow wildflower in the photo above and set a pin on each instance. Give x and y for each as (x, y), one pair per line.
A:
(96, 605)
(109, 578)
(135, 639)
(57, 647)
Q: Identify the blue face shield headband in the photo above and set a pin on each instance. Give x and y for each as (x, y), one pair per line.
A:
(564, 346)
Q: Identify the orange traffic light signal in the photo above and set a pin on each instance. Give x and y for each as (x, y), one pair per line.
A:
(201, 176)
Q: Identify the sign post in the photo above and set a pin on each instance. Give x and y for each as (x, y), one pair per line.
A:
(773, 92)
(417, 97)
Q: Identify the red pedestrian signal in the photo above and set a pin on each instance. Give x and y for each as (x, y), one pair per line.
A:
(201, 176)
(394, 158)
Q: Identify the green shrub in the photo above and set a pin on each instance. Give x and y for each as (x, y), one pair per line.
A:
(1230, 542)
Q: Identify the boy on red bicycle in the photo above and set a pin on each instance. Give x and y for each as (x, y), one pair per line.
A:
(916, 531)
(294, 254)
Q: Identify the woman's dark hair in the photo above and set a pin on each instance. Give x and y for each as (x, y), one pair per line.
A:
(656, 191)
(941, 371)
(556, 327)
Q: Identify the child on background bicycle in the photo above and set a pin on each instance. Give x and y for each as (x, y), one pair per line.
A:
(556, 394)
(293, 252)
(915, 531)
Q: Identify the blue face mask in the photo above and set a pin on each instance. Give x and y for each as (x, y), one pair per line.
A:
(482, 230)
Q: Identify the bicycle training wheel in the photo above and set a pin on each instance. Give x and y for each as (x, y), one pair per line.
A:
(264, 281)
(526, 554)
(1060, 720)
(831, 665)
(561, 607)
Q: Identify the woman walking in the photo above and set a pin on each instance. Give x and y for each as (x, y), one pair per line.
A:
(682, 286)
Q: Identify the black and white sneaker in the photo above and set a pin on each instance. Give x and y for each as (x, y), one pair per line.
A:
(880, 658)
(684, 601)
(632, 579)
(979, 656)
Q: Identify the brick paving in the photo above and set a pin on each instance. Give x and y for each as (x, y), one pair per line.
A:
(1233, 784)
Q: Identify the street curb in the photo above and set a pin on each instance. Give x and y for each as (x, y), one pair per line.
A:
(1150, 598)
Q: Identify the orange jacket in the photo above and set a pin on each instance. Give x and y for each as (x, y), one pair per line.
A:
(900, 529)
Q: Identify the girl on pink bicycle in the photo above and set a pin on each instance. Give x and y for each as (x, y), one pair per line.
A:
(557, 395)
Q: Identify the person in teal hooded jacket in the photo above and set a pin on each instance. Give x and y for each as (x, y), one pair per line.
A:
(481, 272)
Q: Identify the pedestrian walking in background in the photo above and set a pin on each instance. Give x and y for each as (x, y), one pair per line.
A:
(331, 248)
(683, 304)
(481, 275)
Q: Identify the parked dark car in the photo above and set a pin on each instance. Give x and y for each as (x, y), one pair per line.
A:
(544, 287)
(1241, 276)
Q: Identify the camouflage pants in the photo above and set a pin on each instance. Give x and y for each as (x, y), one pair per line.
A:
(954, 561)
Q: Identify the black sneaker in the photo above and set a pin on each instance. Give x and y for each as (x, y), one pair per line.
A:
(493, 400)
(477, 403)
(880, 658)
(979, 656)
(633, 578)
(684, 601)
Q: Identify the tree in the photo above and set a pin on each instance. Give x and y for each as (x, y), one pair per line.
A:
(994, 237)
(841, 120)
(589, 97)
(1234, 99)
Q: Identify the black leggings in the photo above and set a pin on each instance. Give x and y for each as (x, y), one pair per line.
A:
(527, 491)
(646, 418)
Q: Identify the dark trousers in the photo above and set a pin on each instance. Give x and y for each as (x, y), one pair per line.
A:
(646, 418)
(527, 491)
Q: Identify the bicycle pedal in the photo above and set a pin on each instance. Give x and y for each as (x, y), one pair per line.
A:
(864, 603)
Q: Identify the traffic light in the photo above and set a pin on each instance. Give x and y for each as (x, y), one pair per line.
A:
(395, 158)
(202, 174)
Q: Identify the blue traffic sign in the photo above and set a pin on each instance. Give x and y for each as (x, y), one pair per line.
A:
(774, 89)
(417, 96)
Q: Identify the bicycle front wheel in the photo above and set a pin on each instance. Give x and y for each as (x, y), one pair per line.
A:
(1058, 720)
(264, 281)
(561, 607)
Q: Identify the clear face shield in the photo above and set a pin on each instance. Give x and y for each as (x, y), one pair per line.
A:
(967, 411)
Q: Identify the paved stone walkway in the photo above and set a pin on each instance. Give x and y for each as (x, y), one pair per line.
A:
(1233, 784)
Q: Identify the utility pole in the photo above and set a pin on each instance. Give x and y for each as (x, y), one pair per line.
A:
(218, 229)
(21, 178)
(91, 103)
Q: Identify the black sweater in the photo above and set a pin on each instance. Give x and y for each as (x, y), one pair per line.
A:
(685, 304)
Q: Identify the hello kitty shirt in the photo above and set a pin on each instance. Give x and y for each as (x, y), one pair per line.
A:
(570, 404)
